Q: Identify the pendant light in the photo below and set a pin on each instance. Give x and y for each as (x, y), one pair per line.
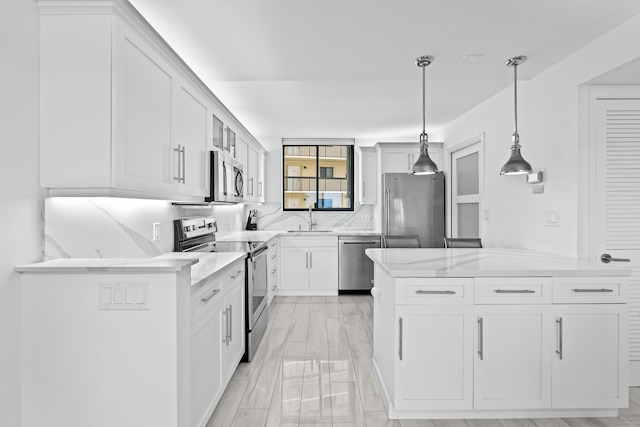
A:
(516, 165)
(424, 165)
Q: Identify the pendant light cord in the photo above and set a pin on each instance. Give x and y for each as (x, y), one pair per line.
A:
(515, 96)
(424, 108)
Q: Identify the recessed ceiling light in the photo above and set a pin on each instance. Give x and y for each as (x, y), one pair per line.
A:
(471, 59)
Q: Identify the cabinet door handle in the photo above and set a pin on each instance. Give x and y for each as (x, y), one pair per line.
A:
(592, 290)
(514, 291)
(226, 327)
(424, 292)
(259, 188)
(180, 151)
(559, 325)
(184, 167)
(480, 338)
(310, 260)
(400, 338)
(238, 273)
(230, 324)
(211, 295)
(409, 161)
(386, 207)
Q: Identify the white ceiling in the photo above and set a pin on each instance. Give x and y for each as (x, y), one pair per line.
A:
(345, 68)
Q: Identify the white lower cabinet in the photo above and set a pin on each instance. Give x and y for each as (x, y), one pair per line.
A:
(590, 357)
(217, 338)
(435, 371)
(474, 346)
(233, 323)
(512, 363)
(309, 264)
(206, 359)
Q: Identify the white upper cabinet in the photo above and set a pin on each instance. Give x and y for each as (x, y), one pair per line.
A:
(121, 113)
(400, 157)
(191, 142)
(368, 175)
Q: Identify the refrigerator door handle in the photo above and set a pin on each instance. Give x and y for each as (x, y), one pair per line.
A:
(386, 207)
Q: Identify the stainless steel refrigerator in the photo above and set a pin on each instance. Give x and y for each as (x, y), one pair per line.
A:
(414, 205)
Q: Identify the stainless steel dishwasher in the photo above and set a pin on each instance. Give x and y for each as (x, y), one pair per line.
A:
(355, 269)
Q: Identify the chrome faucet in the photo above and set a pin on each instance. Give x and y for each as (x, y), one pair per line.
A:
(311, 221)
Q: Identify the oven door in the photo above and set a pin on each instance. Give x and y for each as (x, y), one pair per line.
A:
(256, 286)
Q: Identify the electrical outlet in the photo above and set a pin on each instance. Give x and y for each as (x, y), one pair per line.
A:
(552, 218)
(365, 218)
(156, 231)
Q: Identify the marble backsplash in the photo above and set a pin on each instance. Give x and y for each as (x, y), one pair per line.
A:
(271, 217)
(102, 227)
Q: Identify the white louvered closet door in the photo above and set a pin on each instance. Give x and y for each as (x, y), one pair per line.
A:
(617, 223)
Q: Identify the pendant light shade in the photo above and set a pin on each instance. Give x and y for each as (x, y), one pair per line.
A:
(424, 165)
(516, 165)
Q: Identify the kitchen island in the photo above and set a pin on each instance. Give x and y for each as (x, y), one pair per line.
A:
(498, 333)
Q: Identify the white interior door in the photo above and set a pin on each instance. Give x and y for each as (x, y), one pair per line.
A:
(466, 191)
(615, 212)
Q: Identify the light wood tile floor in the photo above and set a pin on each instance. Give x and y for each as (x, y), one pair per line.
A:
(313, 368)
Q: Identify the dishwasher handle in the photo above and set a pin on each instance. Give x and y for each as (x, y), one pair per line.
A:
(367, 242)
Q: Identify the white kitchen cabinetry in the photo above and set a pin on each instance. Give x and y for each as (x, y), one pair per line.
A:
(234, 321)
(121, 113)
(441, 339)
(400, 157)
(535, 346)
(252, 174)
(272, 269)
(590, 359)
(206, 354)
(260, 190)
(192, 142)
(252, 159)
(368, 175)
(512, 367)
(308, 265)
(217, 338)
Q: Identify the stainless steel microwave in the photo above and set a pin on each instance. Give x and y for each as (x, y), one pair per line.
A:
(226, 178)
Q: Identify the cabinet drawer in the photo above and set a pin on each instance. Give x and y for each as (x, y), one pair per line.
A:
(512, 290)
(434, 291)
(204, 294)
(303, 242)
(590, 290)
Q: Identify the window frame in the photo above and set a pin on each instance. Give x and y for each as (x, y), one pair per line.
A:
(350, 170)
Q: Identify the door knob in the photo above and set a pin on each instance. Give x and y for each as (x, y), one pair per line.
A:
(606, 258)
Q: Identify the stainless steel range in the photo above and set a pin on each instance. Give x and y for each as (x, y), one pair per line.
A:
(199, 235)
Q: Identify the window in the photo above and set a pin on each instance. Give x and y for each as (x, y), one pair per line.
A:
(318, 176)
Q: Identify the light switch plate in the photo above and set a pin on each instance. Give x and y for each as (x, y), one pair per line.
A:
(123, 296)
(157, 228)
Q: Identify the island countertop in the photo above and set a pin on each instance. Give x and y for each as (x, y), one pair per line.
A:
(486, 262)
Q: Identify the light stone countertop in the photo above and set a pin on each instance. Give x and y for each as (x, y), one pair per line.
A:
(111, 265)
(265, 235)
(484, 263)
(207, 263)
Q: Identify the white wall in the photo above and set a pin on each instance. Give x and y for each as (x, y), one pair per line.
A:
(549, 128)
(19, 206)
